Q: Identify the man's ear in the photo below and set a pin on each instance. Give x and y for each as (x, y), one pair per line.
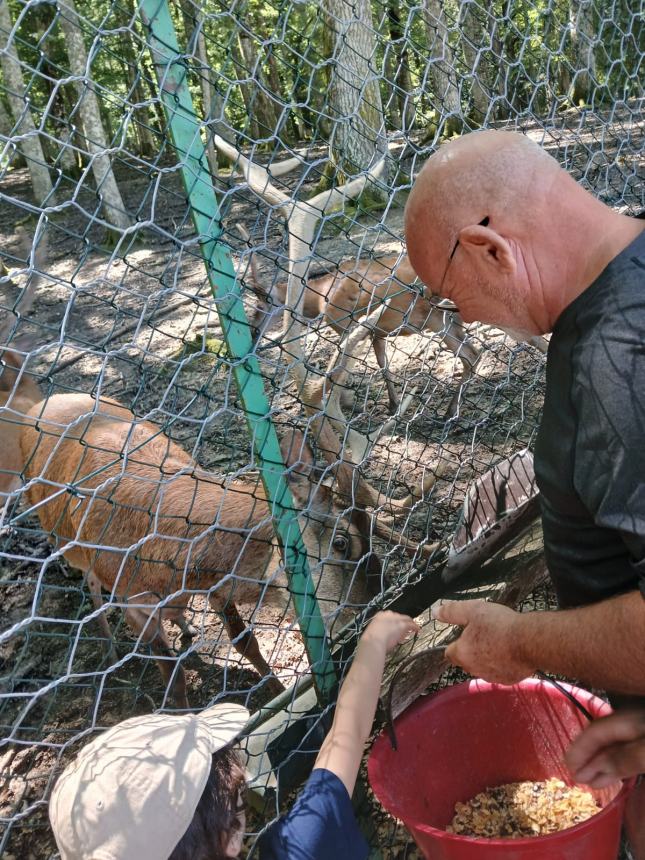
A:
(491, 248)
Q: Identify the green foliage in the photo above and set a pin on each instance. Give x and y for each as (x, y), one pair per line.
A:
(269, 63)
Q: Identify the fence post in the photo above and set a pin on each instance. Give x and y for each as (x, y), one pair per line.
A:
(184, 129)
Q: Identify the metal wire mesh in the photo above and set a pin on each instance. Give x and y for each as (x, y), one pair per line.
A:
(125, 312)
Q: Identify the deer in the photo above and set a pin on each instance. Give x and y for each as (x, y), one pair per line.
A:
(131, 510)
(358, 298)
(342, 296)
(134, 512)
(18, 390)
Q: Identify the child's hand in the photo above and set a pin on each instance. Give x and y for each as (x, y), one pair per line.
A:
(389, 629)
(609, 749)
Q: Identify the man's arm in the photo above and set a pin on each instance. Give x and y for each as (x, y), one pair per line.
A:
(602, 645)
(343, 748)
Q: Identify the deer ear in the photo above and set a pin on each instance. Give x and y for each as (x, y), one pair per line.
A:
(10, 364)
(299, 462)
(296, 453)
(302, 473)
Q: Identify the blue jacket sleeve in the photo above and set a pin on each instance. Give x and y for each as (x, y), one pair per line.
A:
(321, 825)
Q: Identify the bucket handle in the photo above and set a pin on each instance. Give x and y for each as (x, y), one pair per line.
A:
(584, 711)
(441, 649)
(437, 649)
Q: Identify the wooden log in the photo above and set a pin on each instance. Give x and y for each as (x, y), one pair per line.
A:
(508, 577)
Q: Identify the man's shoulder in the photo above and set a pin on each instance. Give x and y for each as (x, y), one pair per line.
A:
(609, 326)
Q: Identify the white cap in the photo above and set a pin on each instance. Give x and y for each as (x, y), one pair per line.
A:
(132, 792)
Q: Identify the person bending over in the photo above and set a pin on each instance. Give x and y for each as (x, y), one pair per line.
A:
(171, 787)
(494, 224)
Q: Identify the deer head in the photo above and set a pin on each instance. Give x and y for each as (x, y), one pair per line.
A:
(345, 571)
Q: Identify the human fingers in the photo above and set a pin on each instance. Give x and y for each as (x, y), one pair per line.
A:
(621, 727)
(401, 627)
(407, 627)
(392, 628)
(484, 652)
(615, 761)
(452, 654)
(459, 612)
(618, 761)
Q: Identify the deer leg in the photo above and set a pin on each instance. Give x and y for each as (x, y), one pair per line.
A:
(456, 340)
(147, 625)
(188, 630)
(246, 644)
(378, 344)
(107, 643)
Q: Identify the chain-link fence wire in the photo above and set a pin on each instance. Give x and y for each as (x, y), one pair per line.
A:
(125, 312)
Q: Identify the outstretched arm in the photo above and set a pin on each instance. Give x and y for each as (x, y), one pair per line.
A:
(343, 748)
(602, 645)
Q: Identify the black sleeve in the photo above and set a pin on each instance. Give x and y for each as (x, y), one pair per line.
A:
(609, 471)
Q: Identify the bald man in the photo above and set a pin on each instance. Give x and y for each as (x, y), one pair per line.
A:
(496, 226)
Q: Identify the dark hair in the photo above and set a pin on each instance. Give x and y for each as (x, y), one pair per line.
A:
(215, 817)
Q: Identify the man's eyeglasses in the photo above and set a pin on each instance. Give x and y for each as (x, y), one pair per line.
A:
(483, 223)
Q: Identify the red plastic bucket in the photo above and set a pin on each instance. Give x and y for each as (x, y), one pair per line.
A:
(476, 735)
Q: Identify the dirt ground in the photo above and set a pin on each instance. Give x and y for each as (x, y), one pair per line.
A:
(102, 326)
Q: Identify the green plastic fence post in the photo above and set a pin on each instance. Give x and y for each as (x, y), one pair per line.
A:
(185, 132)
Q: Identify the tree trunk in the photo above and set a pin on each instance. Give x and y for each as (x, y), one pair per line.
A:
(211, 107)
(354, 102)
(95, 138)
(207, 98)
(441, 67)
(6, 124)
(472, 41)
(314, 95)
(59, 120)
(391, 106)
(245, 88)
(71, 155)
(23, 125)
(143, 122)
(148, 81)
(402, 79)
(264, 109)
(275, 84)
(498, 63)
(13, 154)
(582, 31)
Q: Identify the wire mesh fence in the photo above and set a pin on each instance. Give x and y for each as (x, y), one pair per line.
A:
(133, 440)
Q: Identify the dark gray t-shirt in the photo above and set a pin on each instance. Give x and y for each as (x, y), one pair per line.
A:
(590, 450)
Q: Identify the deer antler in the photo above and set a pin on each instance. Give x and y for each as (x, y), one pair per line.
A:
(355, 488)
(301, 219)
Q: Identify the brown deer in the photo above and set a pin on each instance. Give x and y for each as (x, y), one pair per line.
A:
(131, 510)
(18, 391)
(376, 297)
(345, 295)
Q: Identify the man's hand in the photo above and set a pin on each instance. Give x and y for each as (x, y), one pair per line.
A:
(389, 629)
(487, 646)
(609, 749)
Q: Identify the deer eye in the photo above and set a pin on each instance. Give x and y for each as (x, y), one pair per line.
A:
(341, 543)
